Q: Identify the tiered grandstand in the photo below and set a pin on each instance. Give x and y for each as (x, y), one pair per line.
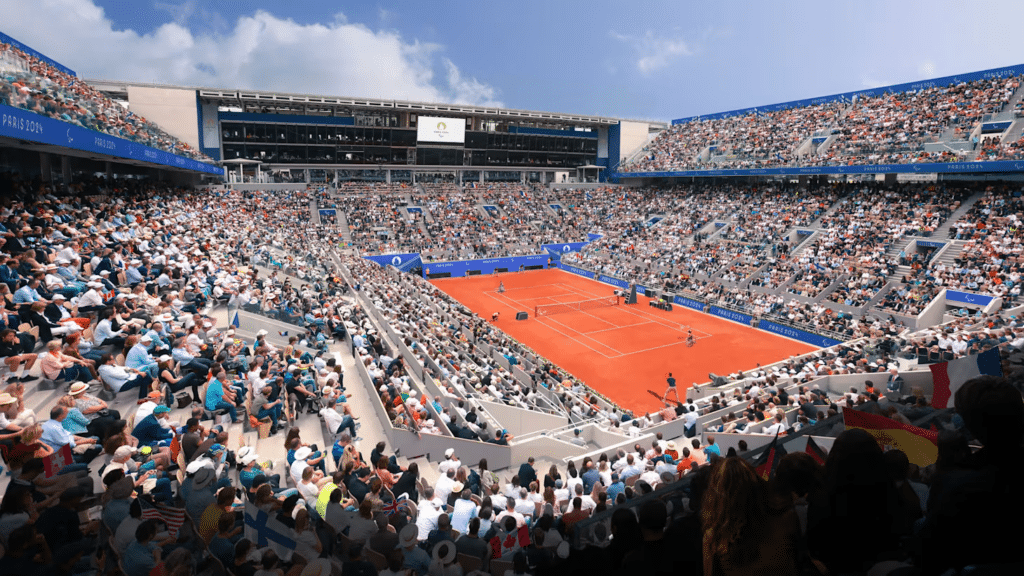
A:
(256, 364)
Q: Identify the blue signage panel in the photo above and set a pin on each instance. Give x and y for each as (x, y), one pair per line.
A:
(850, 96)
(24, 125)
(485, 265)
(804, 232)
(552, 132)
(795, 334)
(565, 247)
(732, 315)
(930, 244)
(328, 212)
(968, 298)
(286, 118)
(415, 210)
(929, 168)
(591, 236)
(613, 281)
(392, 259)
(641, 289)
(689, 303)
(576, 271)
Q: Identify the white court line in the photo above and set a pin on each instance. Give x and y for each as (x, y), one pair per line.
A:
(563, 333)
(638, 314)
(616, 328)
(539, 297)
(583, 335)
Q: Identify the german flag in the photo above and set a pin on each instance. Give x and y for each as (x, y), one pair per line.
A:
(920, 445)
(768, 461)
(815, 451)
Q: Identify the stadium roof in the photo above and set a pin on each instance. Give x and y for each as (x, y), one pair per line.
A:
(319, 105)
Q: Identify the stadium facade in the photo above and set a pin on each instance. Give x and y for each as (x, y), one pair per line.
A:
(282, 137)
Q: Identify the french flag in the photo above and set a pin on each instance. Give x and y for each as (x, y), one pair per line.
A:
(948, 377)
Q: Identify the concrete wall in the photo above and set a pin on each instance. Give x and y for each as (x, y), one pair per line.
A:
(519, 421)
(632, 135)
(173, 109)
(545, 446)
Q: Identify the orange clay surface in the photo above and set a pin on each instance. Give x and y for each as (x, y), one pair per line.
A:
(620, 351)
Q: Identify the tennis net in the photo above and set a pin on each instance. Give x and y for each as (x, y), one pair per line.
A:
(581, 305)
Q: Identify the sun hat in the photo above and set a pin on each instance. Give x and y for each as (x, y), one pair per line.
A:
(77, 388)
(444, 551)
(408, 536)
(203, 478)
(303, 453)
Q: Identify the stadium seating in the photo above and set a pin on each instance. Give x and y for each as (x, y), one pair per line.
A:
(887, 129)
(34, 85)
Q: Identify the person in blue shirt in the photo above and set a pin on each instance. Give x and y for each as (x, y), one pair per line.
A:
(220, 398)
(139, 358)
(149, 430)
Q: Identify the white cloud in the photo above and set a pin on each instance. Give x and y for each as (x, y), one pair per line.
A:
(259, 51)
(653, 52)
(926, 69)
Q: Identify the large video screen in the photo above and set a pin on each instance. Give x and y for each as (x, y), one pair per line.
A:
(435, 129)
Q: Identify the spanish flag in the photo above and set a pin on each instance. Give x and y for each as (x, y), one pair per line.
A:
(920, 445)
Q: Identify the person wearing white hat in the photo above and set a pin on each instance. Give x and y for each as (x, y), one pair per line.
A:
(139, 358)
(443, 562)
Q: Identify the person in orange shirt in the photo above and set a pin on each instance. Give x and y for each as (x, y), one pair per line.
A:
(685, 463)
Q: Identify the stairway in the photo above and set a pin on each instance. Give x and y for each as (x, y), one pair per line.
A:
(949, 255)
(942, 232)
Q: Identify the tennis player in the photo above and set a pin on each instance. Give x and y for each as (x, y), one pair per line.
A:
(501, 287)
(494, 318)
(671, 388)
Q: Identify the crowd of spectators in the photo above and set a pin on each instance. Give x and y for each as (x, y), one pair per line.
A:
(36, 86)
(891, 128)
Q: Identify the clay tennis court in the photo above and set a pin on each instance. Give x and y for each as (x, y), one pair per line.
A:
(619, 350)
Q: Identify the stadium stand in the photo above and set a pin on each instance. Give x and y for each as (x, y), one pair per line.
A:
(34, 85)
(241, 388)
(886, 129)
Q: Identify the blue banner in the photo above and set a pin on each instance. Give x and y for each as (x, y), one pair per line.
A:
(732, 315)
(552, 132)
(850, 96)
(930, 168)
(804, 232)
(565, 247)
(654, 220)
(930, 244)
(795, 334)
(328, 212)
(953, 296)
(719, 224)
(556, 207)
(613, 281)
(4, 38)
(989, 127)
(484, 266)
(395, 260)
(591, 236)
(415, 210)
(286, 118)
(689, 303)
(576, 271)
(641, 290)
(24, 125)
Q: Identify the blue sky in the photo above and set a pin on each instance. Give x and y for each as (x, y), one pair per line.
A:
(657, 60)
